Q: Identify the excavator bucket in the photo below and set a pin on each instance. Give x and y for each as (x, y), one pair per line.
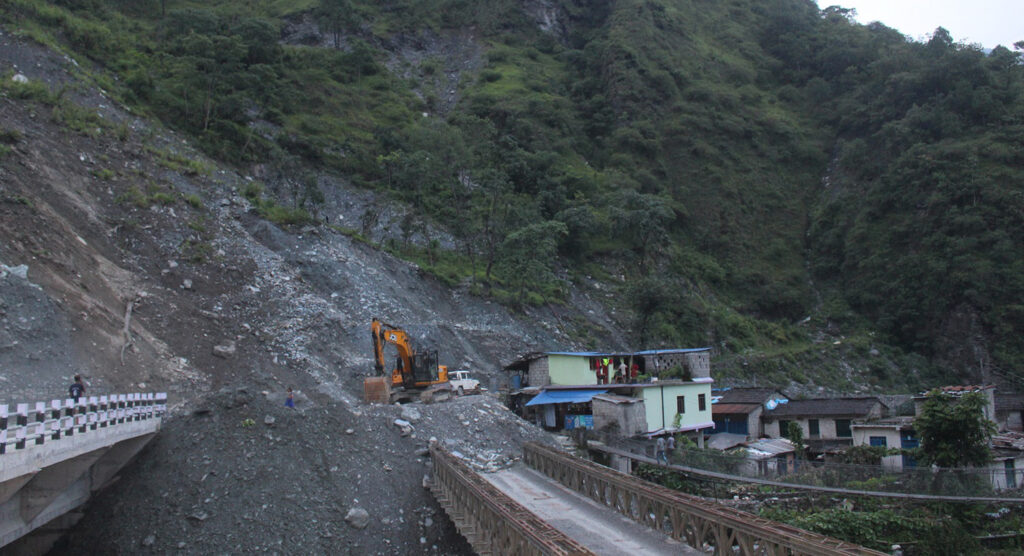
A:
(377, 389)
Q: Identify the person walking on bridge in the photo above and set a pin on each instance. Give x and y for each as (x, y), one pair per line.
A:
(659, 450)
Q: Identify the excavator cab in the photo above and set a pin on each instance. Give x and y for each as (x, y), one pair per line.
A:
(425, 368)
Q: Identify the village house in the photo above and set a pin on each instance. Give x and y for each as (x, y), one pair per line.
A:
(557, 389)
(568, 368)
(1009, 410)
(738, 410)
(989, 391)
(1007, 461)
(767, 457)
(826, 423)
(892, 432)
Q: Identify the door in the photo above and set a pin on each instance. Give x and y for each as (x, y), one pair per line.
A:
(907, 442)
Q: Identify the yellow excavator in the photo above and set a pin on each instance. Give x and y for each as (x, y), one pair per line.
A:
(415, 373)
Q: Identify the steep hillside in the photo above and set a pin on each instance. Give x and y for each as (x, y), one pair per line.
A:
(215, 198)
(827, 204)
(111, 223)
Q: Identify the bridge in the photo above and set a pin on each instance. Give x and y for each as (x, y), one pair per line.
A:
(507, 515)
(54, 456)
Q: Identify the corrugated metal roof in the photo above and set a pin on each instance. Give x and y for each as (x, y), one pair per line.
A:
(617, 399)
(1009, 440)
(626, 353)
(725, 440)
(564, 396)
(670, 351)
(584, 353)
(898, 423)
(749, 395)
(957, 391)
(769, 447)
(833, 407)
(733, 408)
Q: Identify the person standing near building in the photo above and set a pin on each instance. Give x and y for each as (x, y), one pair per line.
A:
(659, 450)
(77, 388)
(671, 445)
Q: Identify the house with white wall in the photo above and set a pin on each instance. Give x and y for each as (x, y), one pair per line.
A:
(893, 432)
(826, 422)
(739, 410)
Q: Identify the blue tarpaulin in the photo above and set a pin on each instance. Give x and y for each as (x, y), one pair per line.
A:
(564, 396)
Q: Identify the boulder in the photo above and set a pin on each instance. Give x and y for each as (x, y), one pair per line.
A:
(358, 518)
(226, 350)
(411, 414)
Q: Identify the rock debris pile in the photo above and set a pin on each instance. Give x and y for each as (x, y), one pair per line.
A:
(255, 476)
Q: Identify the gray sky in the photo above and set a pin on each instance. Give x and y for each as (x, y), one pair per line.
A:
(989, 22)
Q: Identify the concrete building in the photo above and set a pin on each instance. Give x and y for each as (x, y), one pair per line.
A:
(577, 368)
(767, 457)
(1007, 461)
(739, 410)
(895, 432)
(826, 423)
(666, 406)
(619, 415)
(677, 406)
(1009, 410)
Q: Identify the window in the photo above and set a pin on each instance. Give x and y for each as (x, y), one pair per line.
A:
(878, 441)
(843, 428)
(1011, 475)
(783, 428)
(702, 402)
(680, 404)
(815, 429)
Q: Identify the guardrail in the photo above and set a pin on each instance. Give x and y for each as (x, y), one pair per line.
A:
(686, 518)
(492, 522)
(970, 484)
(33, 424)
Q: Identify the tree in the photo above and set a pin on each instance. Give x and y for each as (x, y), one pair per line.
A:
(644, 220)
(528, 256)
(954, 432)
(336, 16)
(795, 434)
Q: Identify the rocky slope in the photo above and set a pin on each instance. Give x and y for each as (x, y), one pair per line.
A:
(134, 260)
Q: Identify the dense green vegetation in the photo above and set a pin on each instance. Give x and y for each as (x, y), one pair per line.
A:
(674, 150)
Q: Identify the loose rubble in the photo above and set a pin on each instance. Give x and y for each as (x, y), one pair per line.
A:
(324, 478)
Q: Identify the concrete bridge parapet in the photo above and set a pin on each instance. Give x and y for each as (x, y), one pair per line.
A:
(54, 456)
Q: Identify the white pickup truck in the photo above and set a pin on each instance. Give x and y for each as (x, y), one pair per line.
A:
(462, 384)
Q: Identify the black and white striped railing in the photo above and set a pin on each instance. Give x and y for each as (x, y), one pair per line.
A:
(31, 424)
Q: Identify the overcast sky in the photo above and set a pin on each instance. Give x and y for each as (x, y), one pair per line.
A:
(989, 22)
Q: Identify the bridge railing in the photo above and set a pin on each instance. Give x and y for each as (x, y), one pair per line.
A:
(491, 521)
(686, 518)
(26, 425)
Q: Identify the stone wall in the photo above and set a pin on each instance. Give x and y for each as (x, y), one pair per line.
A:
(698, 363)
(538, 374)
(623, 419)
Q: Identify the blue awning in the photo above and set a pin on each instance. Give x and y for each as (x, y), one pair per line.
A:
(564, 396)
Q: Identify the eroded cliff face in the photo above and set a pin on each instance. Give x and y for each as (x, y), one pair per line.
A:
(121, 221)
